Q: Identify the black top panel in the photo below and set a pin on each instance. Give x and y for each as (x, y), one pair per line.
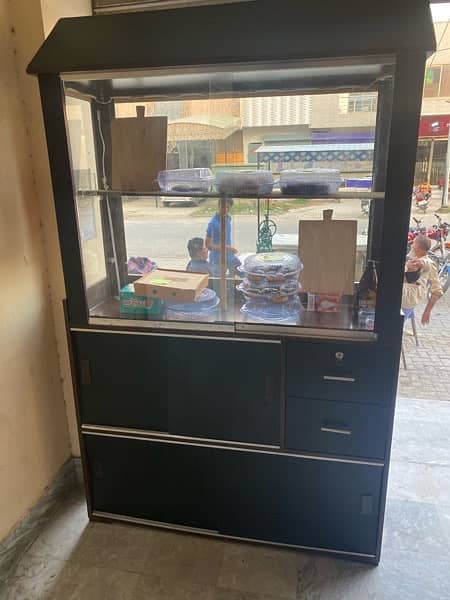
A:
(263, 30)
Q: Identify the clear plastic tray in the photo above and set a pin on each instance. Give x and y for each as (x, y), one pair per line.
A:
(245, 183)
(310, 182)
(272, 266)
(186, 180)
(207, 300)
(205, 315)
(267, 312)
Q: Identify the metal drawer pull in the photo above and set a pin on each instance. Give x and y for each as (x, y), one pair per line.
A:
(334, 378)
(335, 430)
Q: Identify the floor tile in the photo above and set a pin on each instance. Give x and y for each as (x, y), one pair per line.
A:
(158, 588)
(422, 442)
(260, 569)
(34, 578)
(114, 545)
(423, 483)
(83, 582)
(227, 594)
(188, 558)
(399, 576)
(62, 534)
(414, 526)
(414, 409)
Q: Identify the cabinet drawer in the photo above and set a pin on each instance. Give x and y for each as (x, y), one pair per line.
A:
(332, 427)
(340, 371)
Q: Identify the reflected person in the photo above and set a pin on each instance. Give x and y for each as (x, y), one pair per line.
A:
(198, 254)
(213, 241)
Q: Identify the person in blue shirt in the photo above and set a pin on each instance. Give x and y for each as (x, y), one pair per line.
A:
(212, 242)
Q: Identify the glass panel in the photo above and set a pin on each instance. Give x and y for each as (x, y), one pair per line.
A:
(84, 168)
(234, 199)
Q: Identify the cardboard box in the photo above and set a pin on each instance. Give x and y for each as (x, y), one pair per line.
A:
(131, 304)
(177, 286)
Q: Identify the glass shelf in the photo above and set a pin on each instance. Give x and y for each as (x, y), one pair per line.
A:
(272, 196)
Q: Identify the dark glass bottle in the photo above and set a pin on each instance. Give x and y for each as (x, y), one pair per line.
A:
(366, 297)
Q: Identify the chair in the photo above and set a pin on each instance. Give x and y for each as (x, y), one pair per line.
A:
(409, 314)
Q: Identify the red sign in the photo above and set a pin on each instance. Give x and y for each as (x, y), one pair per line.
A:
(435, 126)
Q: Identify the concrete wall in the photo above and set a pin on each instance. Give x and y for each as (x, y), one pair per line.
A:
(52, 10)
(326, 112)
(34, 440)
(36, 401)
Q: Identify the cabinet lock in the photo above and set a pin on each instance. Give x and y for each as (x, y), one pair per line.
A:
(339, 356)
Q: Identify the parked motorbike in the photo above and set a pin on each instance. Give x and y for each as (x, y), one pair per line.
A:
(442, 246)
(421, 198)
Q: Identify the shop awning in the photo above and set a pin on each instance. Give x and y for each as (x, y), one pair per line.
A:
(315, 152)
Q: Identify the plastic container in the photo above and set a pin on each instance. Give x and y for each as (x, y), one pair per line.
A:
(267, 312)
(269, 289)
(271, 266)
(203, 309)
(244, 183)
(186, 180)
(310, 182)
(206, 301)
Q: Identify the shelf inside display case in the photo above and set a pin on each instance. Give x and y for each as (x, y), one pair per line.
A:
(273, 196)
(309, 324)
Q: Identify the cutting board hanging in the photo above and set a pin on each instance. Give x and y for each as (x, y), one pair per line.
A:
(139, 151)
(328, 251)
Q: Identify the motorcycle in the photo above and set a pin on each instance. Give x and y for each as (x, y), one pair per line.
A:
(442, 247)
(421, 198)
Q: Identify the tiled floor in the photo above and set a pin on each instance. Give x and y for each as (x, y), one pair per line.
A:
(77, 560)
(428, 365)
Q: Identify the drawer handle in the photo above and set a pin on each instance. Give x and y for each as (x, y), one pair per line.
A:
(335, 378)
(336, 430)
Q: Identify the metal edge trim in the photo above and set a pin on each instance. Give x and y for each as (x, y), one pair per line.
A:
(219, 446)
(176, 335)
(158, 5)
(165, 435)
(212, 532)
(227, 66)
(306, 332)
(161, 324)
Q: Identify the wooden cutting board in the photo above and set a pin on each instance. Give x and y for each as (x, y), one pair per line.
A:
(327, 250)
(139, 151)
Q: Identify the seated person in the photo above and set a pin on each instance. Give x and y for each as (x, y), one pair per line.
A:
(199, 254)
(420, 271)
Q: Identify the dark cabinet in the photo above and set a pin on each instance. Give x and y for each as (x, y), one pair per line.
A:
(225, 390)
(340, 371)
(314, 503)
(122, 380)
(162, 482)
(246, 494)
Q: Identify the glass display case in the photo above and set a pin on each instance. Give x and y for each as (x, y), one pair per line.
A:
(232, 182)
(242, 198)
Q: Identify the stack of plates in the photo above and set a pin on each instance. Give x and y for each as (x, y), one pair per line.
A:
(203, 309)
(270, 287)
